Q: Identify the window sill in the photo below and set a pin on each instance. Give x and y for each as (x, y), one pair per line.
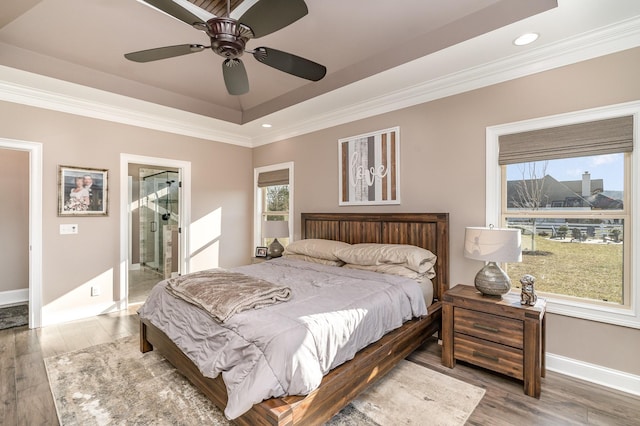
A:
(625, 317)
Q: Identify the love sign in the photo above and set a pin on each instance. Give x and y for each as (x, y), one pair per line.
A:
(369, 172)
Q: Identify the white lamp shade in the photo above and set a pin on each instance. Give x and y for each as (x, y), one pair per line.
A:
(493, 244)
(275, 229)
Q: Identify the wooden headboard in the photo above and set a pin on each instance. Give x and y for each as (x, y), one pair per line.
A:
(426, 230)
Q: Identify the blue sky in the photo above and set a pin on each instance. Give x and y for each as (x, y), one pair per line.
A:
(608, 167)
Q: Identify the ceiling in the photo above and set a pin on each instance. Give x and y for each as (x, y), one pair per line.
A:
(372, 49)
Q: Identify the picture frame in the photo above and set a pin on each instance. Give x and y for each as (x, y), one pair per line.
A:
(82, 191)
(369, 168)
(261, 251)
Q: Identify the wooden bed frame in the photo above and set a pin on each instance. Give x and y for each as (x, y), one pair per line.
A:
(344, 383)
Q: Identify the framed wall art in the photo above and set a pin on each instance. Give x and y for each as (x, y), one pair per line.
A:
(82, 191)
(369, 171)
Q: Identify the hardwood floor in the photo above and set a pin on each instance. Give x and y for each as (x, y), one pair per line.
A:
(24, 386)
(26, 398)
(563, 401)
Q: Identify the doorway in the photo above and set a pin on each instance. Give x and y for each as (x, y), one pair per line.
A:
(159, 218)
(156, 193)
(35, 224)
(154, 230)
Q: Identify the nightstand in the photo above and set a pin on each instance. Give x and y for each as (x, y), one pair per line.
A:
(499, 334)
(255, 260)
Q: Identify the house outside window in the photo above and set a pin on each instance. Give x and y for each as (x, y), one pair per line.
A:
(273, 199)
(566, 183)
(573, 237)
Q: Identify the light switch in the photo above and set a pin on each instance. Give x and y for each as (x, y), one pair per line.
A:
(68, 229)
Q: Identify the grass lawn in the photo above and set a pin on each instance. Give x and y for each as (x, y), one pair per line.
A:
(588, 270)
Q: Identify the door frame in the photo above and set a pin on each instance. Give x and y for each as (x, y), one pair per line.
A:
(184, 212)
(35, 224)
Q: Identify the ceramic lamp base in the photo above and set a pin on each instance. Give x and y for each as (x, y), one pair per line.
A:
(492, 280)
(275, 249)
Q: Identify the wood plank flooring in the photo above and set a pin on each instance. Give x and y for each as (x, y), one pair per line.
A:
(26, 397)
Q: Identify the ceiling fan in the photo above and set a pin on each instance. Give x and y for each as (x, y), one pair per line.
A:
(229, 37)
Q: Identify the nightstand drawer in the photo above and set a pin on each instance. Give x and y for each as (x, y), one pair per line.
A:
(500, 358)
(491, 327)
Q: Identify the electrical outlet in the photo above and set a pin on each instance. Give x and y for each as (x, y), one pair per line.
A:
(95, 290)
(67, 228)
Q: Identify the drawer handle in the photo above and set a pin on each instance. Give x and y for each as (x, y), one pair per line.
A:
(483, 355)
(485, 327)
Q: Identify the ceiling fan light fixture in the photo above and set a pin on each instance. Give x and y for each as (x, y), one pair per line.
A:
(229, 38)
(525, 39)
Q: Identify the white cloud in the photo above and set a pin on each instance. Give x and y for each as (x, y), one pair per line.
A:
(575, 173)
(603, 159)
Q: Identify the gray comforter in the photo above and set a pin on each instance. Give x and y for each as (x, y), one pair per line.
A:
(287, 348)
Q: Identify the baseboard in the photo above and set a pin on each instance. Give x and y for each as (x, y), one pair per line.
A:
(14, 297)
(51, 317)
(604, 376)
(134, 267)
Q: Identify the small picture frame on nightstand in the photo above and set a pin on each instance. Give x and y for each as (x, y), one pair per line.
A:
(261, 252)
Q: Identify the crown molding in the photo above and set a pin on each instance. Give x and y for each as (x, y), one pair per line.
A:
(36, 90)
(607, 40)
(44, 92)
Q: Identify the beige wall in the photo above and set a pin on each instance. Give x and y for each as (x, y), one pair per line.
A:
(222, 181)
(443, 170)
(14, 226)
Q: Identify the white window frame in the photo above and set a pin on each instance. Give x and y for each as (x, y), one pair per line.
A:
(258, 207)
(626, 316)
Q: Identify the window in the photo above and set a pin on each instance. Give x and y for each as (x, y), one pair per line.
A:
(274, 199)
(566, 183)
(572, 225)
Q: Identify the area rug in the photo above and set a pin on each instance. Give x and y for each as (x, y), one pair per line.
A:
(14, 316)
(115, 384)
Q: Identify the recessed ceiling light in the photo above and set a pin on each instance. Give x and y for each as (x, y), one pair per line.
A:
(526, 39)
(266, 125)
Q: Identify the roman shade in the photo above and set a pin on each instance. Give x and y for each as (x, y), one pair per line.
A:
(600, 137)
(274, 177)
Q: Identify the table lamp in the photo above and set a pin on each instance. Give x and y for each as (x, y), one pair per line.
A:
(274, 229)
(493, 245)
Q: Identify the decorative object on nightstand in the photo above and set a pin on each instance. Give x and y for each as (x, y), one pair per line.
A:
(499, 334)
(493, 245)
(528, 294)
(275, 229)
(261, 251)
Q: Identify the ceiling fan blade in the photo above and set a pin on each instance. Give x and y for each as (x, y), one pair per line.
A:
(267, 16)
(235, 77)
(163, 52)
(289, 63)
(175, 10)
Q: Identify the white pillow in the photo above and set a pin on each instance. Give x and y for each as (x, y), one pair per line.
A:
(313, 259)
(393, 269)
(321, 249)
(415, 258)
(424, 280)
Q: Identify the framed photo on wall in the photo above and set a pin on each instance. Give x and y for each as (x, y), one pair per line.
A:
(82, 191)
(369, 168)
